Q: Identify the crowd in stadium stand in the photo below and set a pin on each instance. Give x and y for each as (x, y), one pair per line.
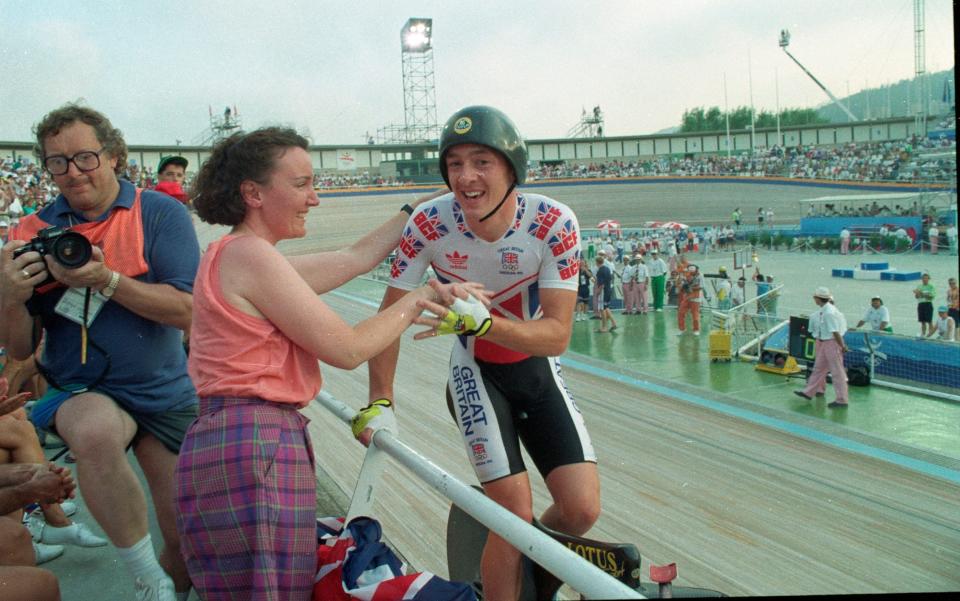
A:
(363, 180)
(885, 161)
(25, 187)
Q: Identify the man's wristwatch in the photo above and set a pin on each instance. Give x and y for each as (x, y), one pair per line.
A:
(112, 286)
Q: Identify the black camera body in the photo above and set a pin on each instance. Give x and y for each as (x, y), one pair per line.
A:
(68, 248)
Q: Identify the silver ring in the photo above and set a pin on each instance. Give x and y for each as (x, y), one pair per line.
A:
(26, 274)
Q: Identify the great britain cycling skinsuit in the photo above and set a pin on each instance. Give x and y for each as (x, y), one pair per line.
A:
(500, 396)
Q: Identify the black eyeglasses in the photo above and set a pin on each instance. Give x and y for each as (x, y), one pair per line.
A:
(86, 160)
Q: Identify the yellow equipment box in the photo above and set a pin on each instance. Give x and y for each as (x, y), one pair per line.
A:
(720, 345)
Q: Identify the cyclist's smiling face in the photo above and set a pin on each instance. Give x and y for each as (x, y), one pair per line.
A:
(89, 192)
(479, 178)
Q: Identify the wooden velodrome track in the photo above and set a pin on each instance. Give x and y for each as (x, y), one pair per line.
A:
(742, 508)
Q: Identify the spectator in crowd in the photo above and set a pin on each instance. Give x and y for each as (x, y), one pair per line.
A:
(584, 278)
(827, 327)
(877, 316)
(604, 283)
(22, 484)
(597, 289)
(844, 241)
(4, 230)
(925, 293)
(19, 443)
(690, 294)
(738, 294)
(953, 303)
(643, 283)
(763, 287)
(109, 390)
(933, 235)
(629, 285)
(259, 330)
(15, 210)
(944, 327)
(171, 173)
(657, 269)
(723, 287)
(952, 238)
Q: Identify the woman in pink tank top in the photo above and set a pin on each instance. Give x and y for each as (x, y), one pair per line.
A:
(245, 476)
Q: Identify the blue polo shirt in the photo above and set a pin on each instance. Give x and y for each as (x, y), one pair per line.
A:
(143, 363)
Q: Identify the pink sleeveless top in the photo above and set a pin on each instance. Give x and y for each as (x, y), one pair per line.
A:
(233, 354)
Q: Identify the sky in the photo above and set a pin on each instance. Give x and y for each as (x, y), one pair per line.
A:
(332, 70)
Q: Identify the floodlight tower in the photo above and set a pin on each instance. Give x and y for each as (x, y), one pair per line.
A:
(419, 98)
(784, 42)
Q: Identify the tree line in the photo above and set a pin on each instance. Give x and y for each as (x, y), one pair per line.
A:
(713, 119)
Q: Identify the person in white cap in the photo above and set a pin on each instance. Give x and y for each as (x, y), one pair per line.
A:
(657, 268)
(4, 230)
(827, 326)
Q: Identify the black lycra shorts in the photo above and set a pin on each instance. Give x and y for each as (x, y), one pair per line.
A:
(498, 405)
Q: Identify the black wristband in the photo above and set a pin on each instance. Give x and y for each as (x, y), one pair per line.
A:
(407, 209)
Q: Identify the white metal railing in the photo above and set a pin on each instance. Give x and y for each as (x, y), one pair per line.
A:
(747, 328)
(557, 559)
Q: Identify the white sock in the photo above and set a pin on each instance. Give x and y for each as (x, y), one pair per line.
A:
(142, 561)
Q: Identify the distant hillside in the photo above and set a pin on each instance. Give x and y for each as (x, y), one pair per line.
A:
(894, 100)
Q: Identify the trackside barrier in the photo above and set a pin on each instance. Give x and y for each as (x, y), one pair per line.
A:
(749, 329)
(557, 559)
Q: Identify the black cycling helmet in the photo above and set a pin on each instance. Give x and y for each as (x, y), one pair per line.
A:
(489, 127)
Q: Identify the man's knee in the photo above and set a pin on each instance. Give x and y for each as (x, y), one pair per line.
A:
(92, 444)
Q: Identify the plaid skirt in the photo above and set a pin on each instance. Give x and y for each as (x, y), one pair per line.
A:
(246, 502)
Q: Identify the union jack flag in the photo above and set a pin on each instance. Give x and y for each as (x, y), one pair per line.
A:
(428, 221)
(518, 216)
(410, 245)
(353, 563)
(568, 267)
(509, 261)
(546, 217)
(479, 451)
(461, 221)
(397, 267)
(565, 239)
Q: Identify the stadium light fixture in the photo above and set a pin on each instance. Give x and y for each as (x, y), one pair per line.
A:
(784, 42)
(417, 35)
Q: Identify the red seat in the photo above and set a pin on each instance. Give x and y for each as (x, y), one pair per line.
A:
(663, 574)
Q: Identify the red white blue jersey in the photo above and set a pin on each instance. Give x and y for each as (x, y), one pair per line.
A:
(540, 250)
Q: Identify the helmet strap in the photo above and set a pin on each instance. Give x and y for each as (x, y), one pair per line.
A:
(500, 204)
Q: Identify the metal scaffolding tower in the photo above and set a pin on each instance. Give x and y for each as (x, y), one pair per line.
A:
(221, 126)
(919, 69)
(589, 126)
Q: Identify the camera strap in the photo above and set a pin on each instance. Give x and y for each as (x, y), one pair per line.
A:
(75, 388)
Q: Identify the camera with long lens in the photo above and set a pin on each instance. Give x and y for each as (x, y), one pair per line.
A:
(68, 248)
